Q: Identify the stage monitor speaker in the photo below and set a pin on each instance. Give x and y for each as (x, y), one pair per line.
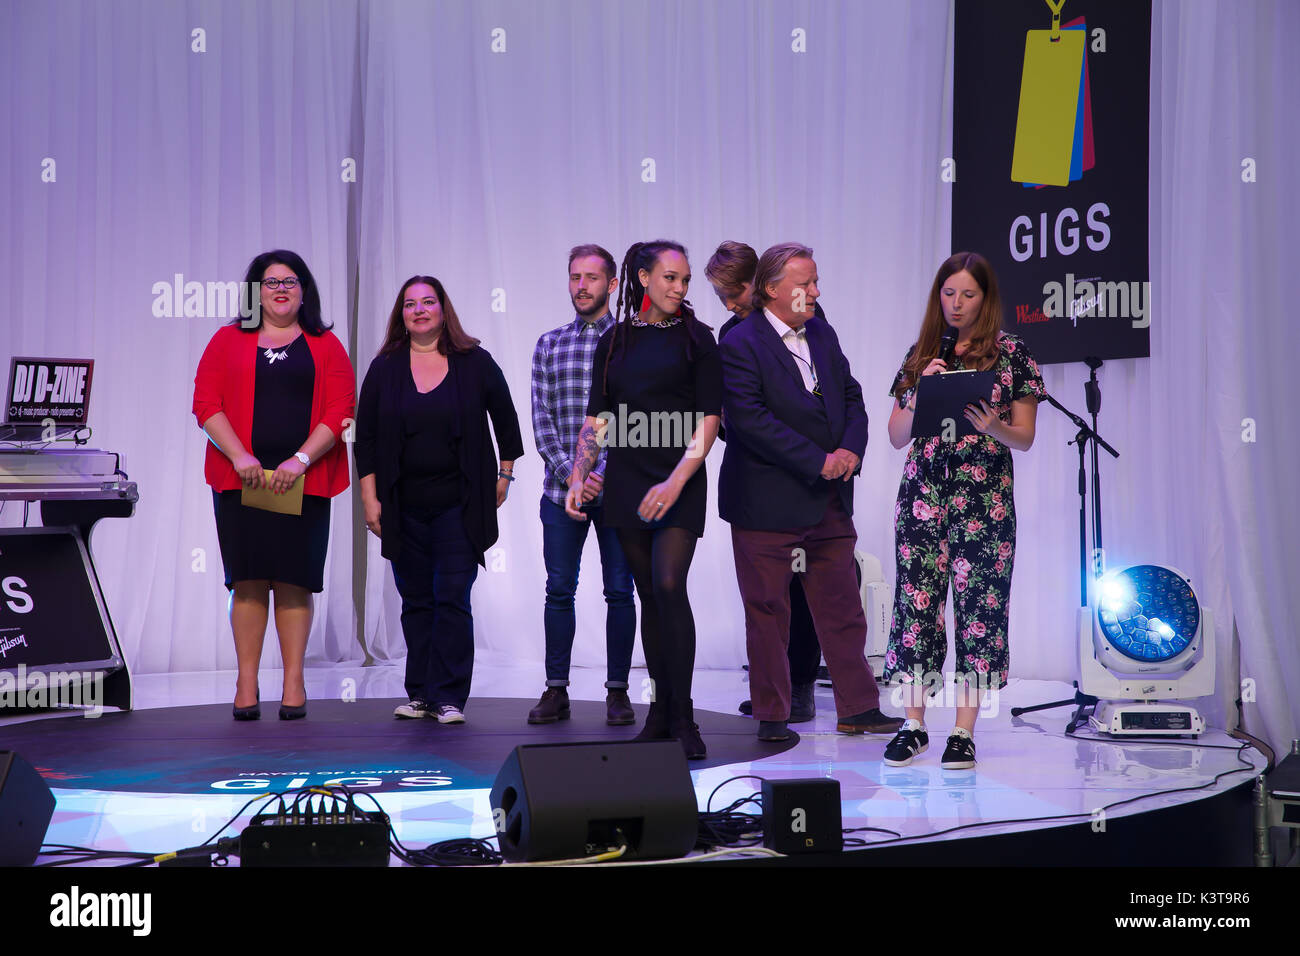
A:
(26, 808)
(802, 816)
(569, 801)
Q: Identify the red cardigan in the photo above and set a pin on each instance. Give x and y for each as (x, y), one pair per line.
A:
(226, 380)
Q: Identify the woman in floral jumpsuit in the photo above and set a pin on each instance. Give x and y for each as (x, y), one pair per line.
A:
(955, 517)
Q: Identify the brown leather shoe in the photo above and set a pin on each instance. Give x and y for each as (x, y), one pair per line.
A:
(618, 709)
(553, 706)
(869, 722)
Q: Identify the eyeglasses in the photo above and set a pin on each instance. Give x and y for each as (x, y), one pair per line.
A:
(287, 284)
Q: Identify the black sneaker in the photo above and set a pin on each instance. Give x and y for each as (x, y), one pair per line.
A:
(959, 754)
(906, 745)
(413, 709)
(447, 714)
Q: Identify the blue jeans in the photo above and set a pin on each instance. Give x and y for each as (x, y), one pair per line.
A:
(562, 542)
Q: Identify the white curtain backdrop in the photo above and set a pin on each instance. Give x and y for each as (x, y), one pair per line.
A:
(490, 137)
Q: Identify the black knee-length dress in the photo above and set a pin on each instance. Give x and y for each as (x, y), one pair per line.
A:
(263, 545)
(662, 380)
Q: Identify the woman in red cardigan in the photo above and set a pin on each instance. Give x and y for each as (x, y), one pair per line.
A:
(275, 395)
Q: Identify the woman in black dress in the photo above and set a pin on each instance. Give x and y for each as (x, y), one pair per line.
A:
(430, 484)
(274, 394)
(656, 403)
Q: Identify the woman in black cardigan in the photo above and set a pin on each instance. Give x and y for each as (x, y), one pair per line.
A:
(431, 485)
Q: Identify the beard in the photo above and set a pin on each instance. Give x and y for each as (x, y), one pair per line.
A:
(593, 306)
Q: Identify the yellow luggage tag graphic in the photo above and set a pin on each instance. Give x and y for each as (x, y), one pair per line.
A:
(1049, 102)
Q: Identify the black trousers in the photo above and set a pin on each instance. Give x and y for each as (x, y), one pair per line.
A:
(805, 652)
(434, 573)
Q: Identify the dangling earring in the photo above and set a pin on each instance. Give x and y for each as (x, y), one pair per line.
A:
(645, 302)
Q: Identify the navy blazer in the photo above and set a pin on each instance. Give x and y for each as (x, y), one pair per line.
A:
(771, 471)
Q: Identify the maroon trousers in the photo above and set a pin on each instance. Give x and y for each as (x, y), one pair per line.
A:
(765, 562)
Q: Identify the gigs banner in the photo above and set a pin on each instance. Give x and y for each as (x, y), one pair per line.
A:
(1050, 144)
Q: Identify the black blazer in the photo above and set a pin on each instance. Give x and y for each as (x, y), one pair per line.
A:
(481, 392)
(778, 435)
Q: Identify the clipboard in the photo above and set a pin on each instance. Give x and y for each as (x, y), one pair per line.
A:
(942, 398)
(289, 503)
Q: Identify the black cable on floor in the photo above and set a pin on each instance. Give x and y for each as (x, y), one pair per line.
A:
(1117, 803)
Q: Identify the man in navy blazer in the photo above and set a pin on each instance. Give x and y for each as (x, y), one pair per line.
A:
(796, 432)
(731, 273)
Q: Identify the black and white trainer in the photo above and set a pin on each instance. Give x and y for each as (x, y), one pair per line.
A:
(448, 714)
(959, 754)
(907, 743)
(413, 708)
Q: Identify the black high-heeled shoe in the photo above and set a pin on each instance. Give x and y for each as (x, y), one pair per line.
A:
(249, 713)
(293, 713)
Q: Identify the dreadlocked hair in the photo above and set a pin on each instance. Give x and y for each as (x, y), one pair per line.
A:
(644, 255)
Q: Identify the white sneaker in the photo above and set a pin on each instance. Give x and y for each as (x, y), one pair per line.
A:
(412, 708)
(448, 714)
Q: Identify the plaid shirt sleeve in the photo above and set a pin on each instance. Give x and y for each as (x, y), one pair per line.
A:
(546, 432)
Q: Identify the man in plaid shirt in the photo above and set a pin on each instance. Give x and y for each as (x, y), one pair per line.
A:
(561, 378)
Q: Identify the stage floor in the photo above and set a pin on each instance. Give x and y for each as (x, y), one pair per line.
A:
(172, 772)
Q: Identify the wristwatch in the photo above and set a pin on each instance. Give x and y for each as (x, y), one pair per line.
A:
(302, 458)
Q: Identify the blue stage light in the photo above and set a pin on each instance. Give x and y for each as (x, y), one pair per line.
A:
(1115, 594)
(1148, 613)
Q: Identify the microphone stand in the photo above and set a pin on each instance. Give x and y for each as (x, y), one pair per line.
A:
(1085, 434)
(1092, 395)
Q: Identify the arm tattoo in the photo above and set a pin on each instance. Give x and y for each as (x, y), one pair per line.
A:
(587, 452)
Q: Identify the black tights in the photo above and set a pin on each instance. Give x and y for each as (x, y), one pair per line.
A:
(660, 559)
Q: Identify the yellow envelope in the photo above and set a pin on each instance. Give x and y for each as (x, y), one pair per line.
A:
(289, 503)
(1049, 100)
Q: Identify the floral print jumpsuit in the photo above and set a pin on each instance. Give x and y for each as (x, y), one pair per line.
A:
(955, 516)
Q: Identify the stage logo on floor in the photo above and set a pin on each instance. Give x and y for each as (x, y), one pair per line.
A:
(1050, 142)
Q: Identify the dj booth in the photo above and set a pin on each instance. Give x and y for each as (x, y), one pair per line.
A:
(56, 634)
